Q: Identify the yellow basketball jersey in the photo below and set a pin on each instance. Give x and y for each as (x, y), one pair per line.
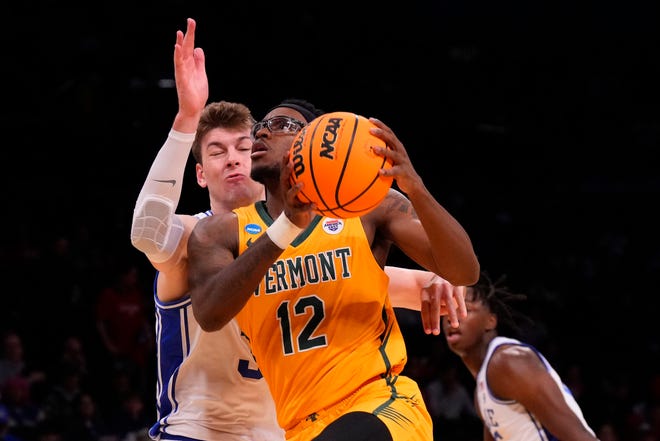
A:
(320, 324)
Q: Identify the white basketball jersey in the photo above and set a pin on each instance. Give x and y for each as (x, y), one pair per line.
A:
(508, 420)
(209, 386)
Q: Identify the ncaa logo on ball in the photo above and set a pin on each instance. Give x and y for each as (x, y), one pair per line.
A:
(329, 138)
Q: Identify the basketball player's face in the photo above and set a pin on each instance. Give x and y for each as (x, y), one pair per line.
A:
(471, 329)
(226, 168)
(270, 146)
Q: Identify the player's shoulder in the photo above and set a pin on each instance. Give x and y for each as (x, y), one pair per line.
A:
(211, 226)
(513, 359)
(189, 221)
(395, 202)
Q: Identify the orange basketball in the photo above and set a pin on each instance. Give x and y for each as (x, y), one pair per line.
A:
(332, 156)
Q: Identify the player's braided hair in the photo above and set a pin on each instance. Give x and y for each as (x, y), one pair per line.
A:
(499, 299)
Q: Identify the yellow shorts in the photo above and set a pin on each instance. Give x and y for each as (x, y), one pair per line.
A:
(396, 401)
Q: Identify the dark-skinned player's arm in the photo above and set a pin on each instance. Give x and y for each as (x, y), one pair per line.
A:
(416, 223)
(516, 372)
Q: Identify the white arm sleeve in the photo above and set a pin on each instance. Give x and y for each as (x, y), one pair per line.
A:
(156, 230)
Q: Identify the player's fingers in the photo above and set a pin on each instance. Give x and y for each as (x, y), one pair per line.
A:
(385, 133)
(189, 37)
(431, 309)
(460, 299)
(200, 59)
(452, 308)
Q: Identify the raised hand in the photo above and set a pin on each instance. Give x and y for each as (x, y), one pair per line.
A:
(192, 84)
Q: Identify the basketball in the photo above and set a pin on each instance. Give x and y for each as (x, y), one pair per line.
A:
(333, 157)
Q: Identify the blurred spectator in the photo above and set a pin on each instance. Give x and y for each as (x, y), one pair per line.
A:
(131, 421)
(13, 362)
(73, 355)
(87, 424)
(121, 386)
(23, 414)
(5, 430)
(60, 401)
(123, 322)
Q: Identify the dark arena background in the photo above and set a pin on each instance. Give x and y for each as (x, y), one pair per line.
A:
(535, 123)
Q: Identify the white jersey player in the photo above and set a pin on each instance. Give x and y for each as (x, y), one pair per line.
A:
(518, 395)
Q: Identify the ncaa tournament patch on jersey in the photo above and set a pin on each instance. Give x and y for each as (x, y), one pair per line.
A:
(333, 226)
(253, 229)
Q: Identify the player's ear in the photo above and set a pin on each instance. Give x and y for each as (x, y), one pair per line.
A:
(491, 322)
(199, 174)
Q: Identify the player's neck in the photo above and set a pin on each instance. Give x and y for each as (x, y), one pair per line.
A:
(273, 205)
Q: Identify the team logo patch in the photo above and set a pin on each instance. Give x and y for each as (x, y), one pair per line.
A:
(253, 229)
(333, 226)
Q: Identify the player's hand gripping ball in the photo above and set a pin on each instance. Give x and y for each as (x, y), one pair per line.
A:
(333, 157)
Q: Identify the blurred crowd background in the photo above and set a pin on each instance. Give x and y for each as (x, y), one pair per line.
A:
(536, 124)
